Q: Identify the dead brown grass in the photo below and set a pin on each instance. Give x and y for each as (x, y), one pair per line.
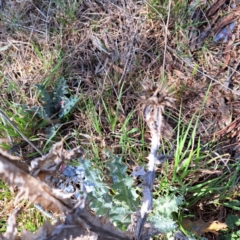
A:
(103, 45)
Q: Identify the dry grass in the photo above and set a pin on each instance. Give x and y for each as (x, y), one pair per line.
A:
(106, 50)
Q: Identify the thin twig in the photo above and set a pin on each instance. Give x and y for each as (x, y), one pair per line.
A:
(8, 135)
(230, 76)
(3, 115)
(166, 38)
(47, 214)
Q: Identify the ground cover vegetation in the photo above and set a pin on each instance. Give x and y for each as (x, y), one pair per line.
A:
(125, 102)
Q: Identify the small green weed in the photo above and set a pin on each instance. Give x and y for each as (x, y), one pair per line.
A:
(55, 105)
(158, 9)
(120, 198)
(5, 193)
(233, 223)
(66, 9)
(112, 116)
(163, 208)
(14, 123)
(31, 219)
(93, 115)
(5, 198)
(125, 140)
(185, 146)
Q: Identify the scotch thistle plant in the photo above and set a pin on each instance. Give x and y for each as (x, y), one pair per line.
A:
(145, 223)
(152, 105)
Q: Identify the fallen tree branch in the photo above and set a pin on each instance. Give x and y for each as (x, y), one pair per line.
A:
(79, 223)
